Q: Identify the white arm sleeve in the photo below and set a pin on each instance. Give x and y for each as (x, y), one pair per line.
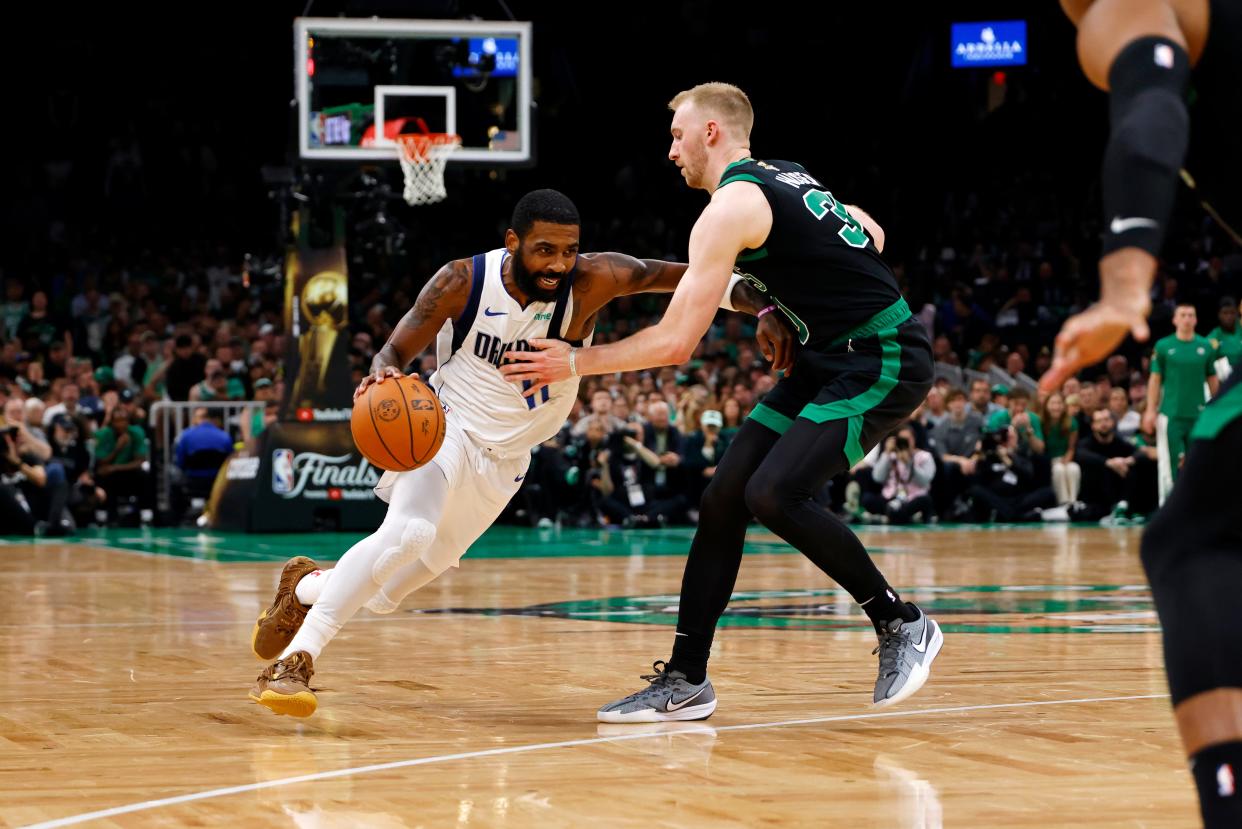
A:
(726, 301)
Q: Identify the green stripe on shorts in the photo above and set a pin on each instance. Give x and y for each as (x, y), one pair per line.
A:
(853, 446)
(1222, 411)
(771, 418)
(890, 367)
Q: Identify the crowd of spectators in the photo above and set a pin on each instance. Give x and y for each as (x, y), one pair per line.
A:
(83, 359)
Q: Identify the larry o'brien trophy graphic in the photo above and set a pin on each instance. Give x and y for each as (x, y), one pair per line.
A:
(306, 474)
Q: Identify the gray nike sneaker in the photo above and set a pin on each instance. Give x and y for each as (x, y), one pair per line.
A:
(670, 696)
(907, 650)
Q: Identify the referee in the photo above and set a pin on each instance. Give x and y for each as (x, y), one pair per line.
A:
(1180, 363)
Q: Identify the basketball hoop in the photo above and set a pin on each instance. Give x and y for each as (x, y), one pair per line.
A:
(422, 157)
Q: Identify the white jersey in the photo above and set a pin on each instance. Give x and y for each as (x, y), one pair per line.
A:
(470, 350)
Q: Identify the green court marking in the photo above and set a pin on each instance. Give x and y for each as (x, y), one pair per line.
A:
(1091, 608)
(498, 542)
(504, 542)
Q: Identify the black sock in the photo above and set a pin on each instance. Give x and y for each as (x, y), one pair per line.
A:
(690, 654)
(1218, 776)
(886, 606)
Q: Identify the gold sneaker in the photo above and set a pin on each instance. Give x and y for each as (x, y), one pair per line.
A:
(284, 686)
(278, 624)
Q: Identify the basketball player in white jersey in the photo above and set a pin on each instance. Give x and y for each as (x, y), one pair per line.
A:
(477, 310)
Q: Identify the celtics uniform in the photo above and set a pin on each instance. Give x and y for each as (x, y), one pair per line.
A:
(863, 358)
(1228, 346)
(863, 366)
(1183, 366)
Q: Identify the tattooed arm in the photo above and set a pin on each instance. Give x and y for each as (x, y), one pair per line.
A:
(443, 297)
(611, 275)
(623, 275)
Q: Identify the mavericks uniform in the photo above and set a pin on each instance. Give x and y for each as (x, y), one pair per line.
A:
(490, 427)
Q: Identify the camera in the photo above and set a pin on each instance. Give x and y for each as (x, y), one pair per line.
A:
(991, 440)
(903, 444)
(9, 435)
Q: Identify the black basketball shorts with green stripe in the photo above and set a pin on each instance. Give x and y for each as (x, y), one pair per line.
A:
(872, 378)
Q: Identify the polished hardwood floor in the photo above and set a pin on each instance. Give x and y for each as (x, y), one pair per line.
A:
(126, 665)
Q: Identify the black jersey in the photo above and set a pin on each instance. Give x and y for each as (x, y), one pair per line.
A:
(818, 264)
(1216, 101)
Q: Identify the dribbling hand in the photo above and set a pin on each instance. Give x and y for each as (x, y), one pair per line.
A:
(377, 376)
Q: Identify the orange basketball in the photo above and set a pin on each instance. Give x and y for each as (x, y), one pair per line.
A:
(398, 425)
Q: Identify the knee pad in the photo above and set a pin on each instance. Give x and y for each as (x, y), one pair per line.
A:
(418, 532)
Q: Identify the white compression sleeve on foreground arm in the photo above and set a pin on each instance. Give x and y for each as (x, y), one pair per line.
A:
(726, 301)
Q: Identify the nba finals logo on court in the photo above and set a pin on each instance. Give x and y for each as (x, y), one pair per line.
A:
(387, 410)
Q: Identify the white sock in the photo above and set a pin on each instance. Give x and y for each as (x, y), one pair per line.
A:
(417, 494)
(380, 603)
(311, 585)
(408, 579)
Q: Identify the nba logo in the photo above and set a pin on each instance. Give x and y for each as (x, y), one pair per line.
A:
(282, 471)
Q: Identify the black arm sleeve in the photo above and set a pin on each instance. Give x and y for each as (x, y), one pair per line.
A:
(1150, 129)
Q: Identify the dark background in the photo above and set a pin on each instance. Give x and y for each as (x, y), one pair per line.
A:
(862, 94)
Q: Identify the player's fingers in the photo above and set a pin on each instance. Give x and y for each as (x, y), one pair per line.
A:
(765, 348)
(1052, 379)
(533, 389)
(542, 343)
(521, 374)
(512, 357)
(1140, 331)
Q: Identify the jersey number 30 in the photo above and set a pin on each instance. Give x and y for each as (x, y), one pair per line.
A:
(821, 203)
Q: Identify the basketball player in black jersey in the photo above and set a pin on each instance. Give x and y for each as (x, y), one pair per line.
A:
(863, 366)
(1148, 54)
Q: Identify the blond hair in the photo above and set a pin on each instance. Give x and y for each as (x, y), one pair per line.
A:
(723, 100)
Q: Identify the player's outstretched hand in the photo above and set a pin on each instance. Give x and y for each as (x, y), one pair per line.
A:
(776, 342)
(1088, 338)
(549, 363)
(377, 376)
(1126, 276)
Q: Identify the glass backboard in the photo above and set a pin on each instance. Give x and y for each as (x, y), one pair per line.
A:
(361, 82)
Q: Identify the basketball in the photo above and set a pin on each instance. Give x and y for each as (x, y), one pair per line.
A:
(398, 425)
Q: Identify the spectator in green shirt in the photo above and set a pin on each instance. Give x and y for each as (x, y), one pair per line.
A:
(120, 451)
(217, 385)
(1026, 423)
(1061, 440)
(253, 424)
(1180, 364)
(1227, 336)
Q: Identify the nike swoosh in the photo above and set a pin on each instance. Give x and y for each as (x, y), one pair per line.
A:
(921, 647)
(672, 706)
(518, 478)
(1120, 225)
(488, 312)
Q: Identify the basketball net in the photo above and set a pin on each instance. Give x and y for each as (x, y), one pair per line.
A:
(422, 157)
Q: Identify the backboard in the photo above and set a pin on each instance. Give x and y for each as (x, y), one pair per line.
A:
(360, 82)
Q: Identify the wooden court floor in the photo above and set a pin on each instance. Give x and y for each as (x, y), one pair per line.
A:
(126, 665)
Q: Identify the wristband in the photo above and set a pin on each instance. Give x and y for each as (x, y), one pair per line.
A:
(573, 363)
(767, 310)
